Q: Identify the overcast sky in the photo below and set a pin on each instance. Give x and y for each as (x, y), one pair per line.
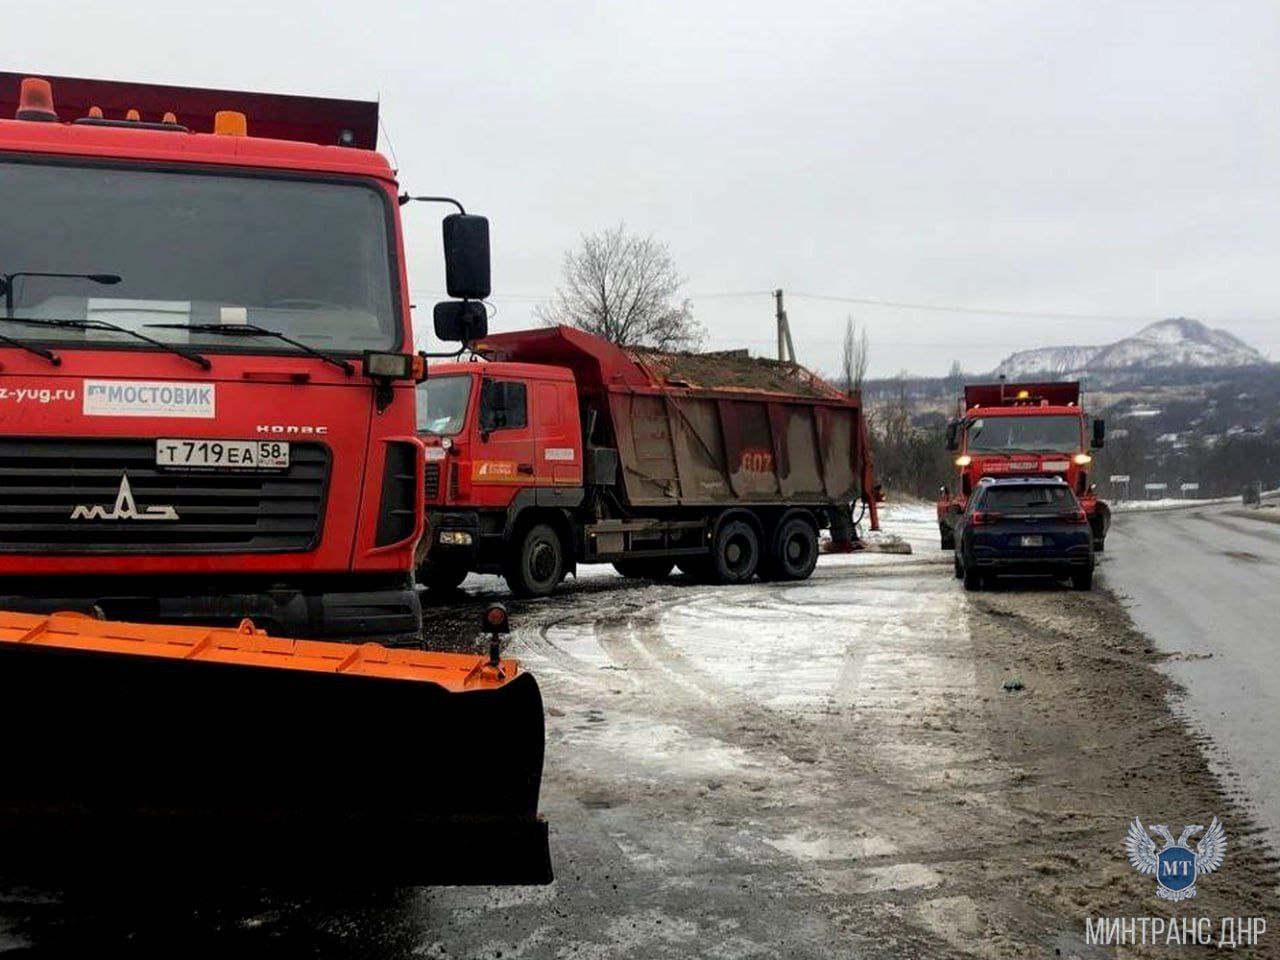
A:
(1119, 160)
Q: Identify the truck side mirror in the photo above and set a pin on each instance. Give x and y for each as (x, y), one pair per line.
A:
(953, 434)
(1099, 433)
(466, 256)
(461, 320)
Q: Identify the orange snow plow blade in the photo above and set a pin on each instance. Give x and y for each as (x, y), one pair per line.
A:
(228, 753)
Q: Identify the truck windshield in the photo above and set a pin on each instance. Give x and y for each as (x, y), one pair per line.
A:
(442, 405)
(1027, 434)
(305, 258)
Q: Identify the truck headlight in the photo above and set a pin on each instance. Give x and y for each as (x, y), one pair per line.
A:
(455, 538)
(963, 460)
(1082, 459)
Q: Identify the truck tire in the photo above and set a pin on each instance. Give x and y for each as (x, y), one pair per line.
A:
(645, 569)
(1082, 579)
(735, 553)
(441, 578)
(947, 536)
(793, 553)
(1099, 545)
(537, 564)
(959, 569)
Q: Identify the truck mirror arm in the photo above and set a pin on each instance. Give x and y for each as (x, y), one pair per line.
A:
(405, 198)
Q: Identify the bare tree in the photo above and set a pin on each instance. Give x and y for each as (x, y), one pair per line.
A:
(623, 287)
(853, 366)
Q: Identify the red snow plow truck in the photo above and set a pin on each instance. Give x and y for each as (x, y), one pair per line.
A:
(207, 451)
(1023, 430)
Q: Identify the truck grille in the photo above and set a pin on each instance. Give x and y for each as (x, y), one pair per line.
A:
(43, 482)
(433, 482)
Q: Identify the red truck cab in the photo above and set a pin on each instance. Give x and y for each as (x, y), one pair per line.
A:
(1022, 430)
(206, 367)
(498, 437)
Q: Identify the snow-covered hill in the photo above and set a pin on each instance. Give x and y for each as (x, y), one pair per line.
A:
(1055, 360)
(1178, 342)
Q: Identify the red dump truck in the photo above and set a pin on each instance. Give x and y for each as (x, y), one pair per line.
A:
(1023, 429)
(562, 448)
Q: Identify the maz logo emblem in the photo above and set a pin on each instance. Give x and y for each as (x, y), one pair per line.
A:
(125, 508)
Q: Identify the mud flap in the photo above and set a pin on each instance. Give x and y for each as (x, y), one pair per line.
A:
(119, 764)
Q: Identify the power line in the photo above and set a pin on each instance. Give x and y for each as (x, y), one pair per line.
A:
(908, 305)
(975, 311)
(983, 311)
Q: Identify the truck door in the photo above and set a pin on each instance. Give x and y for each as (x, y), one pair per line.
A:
(506, 454)
(558, 434)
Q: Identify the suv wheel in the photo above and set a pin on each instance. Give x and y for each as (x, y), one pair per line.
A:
(972, 579)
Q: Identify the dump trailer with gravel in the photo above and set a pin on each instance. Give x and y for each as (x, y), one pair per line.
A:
(562, 448)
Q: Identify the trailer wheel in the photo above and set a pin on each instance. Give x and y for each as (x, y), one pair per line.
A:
(645, 569)
(1082, 579)
(794, 552)
(735, 554)
(538, 563)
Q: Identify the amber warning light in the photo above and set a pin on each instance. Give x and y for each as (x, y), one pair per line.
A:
(35, 101)
(230, 123)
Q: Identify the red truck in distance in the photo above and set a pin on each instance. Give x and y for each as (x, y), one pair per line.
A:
(563, 448)
(206, 359)
(1023, 429)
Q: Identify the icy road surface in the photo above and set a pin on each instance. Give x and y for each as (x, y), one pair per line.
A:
(832, 768)
(1204, 584)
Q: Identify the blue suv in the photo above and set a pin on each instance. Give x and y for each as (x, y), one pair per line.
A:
(1023, 525)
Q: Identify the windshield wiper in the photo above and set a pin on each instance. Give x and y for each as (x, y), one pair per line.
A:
(202, 362)
(31, 348)
(249, 330)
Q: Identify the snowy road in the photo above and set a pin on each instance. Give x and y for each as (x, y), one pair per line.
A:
(1204, 584)
(832, 768)
(872, 763)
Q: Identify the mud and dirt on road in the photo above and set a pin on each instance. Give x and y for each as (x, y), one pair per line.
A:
(835, 768)
(826, 769)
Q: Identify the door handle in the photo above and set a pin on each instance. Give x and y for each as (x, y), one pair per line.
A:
(525, 468)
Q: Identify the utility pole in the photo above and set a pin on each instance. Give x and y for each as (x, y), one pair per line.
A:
(786, 349)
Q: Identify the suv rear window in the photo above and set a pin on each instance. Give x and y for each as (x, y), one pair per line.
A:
(1031, 498)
